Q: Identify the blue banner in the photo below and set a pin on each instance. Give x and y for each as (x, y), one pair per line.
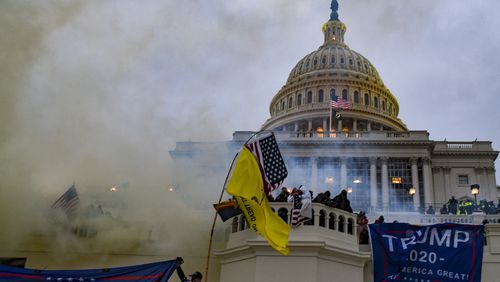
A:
(152, 272)
(433, 253)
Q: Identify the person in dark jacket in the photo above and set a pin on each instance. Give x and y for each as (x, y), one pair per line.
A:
(341, 202)
(283, 196)
(195, 277)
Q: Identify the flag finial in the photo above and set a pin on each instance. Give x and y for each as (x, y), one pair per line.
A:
(334, 15)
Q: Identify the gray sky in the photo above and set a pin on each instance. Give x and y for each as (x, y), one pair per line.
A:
(103, 89)
(99, 91)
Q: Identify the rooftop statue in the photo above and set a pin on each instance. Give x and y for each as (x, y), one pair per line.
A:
(334, 15)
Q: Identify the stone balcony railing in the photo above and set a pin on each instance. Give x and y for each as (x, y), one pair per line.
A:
(341, 136)
(323, 216)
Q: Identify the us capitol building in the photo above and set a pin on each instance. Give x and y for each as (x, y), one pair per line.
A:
(387, 169)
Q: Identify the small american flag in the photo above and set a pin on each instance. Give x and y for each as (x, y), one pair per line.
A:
(297, 218)
(271, 164)
(341, 104)
(68, 202)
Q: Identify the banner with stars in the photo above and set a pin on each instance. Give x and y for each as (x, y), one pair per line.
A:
(152, 272)
(433, 253)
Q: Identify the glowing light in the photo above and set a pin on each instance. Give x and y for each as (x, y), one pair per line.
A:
(171, 189)
(113, 189)
(349, 190)
(474, 189)
(329, 180)
(356, 181)
(396, 180)
(412, 191)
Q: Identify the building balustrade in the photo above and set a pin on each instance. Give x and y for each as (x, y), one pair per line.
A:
(323, 216)
(342, 135)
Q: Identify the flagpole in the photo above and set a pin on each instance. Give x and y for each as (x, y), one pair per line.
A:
(330, 130)
(220, 199)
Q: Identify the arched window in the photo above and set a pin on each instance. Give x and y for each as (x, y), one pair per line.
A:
(299, 100)
(290, 101)
(315, 61)
(331, 221)
(235, 225)
(332, 94)
(356, 97)
(367, 99)
(323, 60)
(310, 222)
(383, 105)
(344, 94)
(390, 108)
(350, 226)
(321, 96)
(341, 223)
(242, 223)
(283, 213)
(350, 61)
(375, 102)
(333, 59)
(309, 97)
(282, 105)
(322, 218)
(342, 60)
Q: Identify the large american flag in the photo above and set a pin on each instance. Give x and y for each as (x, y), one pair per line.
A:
(68, 202)
(340, 104)
(271, 164)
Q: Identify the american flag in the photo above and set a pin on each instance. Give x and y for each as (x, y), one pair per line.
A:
(271, 164)
(341, 104)
(68, 202)
(297, 218)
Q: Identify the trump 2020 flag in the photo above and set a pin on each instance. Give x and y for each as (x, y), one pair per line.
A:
(152, 272)
(246, 184)
(434, 253)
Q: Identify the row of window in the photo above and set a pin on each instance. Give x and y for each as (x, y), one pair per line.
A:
(356, 99)
(303, 67)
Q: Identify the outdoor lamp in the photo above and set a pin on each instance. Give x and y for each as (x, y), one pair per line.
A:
(412, 191)
(474, 189)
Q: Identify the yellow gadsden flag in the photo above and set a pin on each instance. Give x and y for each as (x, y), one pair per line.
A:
(246, 184)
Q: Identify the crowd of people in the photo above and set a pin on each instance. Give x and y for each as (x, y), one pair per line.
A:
(340, 201)
(466, 206)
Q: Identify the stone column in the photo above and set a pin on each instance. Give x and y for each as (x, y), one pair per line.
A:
(428, 195)
(373, 182)
(314, 176)
(343, 173)
(414, 182)
(385, 184)
(325, 125)
(492, 181)
(369, 126)
(339, 125)
(355, 125)
(296, 126)
(309, 125)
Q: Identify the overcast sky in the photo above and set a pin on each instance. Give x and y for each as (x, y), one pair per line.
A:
(94, 91)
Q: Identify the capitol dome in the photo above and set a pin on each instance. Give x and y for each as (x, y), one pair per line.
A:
(332, 72)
